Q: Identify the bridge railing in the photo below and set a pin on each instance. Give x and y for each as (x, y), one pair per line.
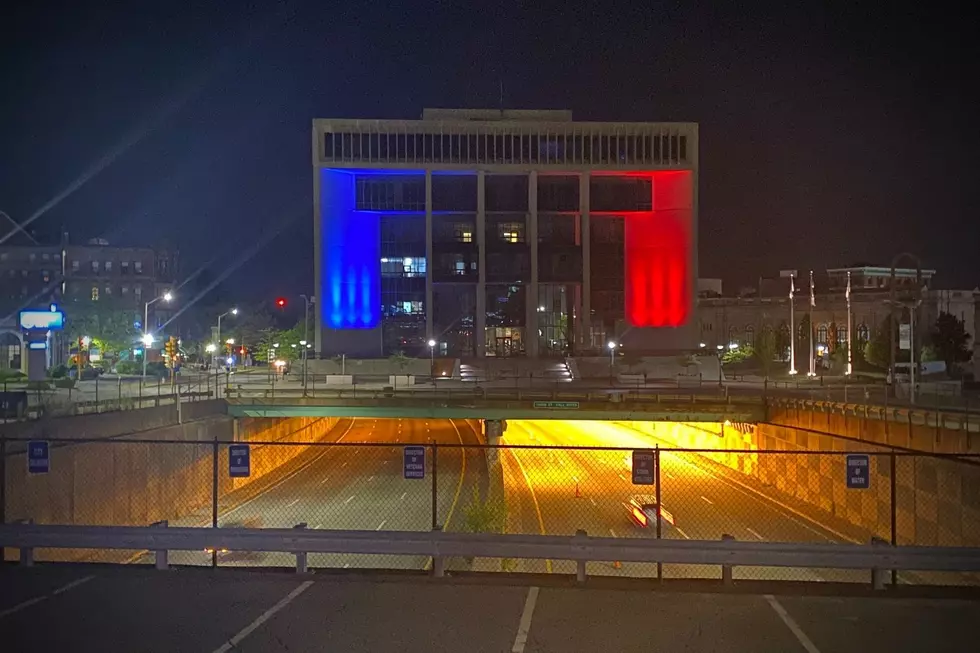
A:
(580, 548)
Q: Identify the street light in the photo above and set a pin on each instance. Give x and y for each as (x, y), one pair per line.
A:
(233, 311)
(167, 296)
(432, 360)
(612, 353)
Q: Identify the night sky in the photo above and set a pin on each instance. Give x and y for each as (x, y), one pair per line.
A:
(827, 138)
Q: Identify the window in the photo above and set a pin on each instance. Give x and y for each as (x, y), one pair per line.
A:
(511, 232)
(124, 267)
(125, 290)
(732, 335)
(3, 256)
(463, 232)
(32, 257)
(409, 266)
(138, 291)
(46, 276)
(45, 256)
(95, 293)
(108, 291)
(108, 266)
(863, 333)
(822, 333)
(95, 267)
(74, 266)
(841, 335)
(750, 335)
(138, 267)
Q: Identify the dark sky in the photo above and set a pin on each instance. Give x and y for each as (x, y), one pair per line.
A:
(828, 137)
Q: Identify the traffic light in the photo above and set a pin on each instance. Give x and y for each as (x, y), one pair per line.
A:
(281, 303)
(171, 349)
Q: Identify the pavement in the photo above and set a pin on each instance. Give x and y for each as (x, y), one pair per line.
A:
(100, 609)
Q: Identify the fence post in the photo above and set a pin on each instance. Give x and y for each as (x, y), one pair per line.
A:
(140, 393)
(214, 496)
(726, 570)
(580, 564)
(656, 487)
(435, 477)
(119, 391)
(160, 554)
(301, 566)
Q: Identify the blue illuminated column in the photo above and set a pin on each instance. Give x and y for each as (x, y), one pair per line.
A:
(350, 270)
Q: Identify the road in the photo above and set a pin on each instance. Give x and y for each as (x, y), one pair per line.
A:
(558, 491)
(67, 608)
(356, 484)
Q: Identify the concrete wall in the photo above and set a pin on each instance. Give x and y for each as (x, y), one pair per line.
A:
(937, 500)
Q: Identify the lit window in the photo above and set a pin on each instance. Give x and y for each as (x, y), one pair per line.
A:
(95, 293)
(108, 266)
(138, 267)
(124, 267)
(95, 266)
(138, 291)
(511, 232)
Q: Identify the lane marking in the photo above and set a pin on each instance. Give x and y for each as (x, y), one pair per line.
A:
(593, 502)
(682, 533)
(292, 503)
(381, 525)
(462, 474)
(754, 533)
(370, 479)
(791, 624)
(262, 618)
(707, 500)
(324, 480)
(44, 597)
(349, 499)
(524, 627)
(613, 533)
(402, 497)
(534, 498)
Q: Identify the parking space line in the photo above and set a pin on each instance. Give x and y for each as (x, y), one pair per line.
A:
(524, 627)
(791, 624)
(262, 618)
(37, 599)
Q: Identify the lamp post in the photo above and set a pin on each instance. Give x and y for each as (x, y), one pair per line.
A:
(306, 334)
(612, 353)
(792, 325)
(432, 360)
(233, 311)
(147, 336)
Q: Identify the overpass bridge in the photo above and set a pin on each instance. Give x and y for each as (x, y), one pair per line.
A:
(498, 404)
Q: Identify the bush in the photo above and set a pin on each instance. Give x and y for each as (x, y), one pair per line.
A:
(58, 372)
(129, 367)
(157, 369)
(9, 376)
(483, 516)
(64, 383)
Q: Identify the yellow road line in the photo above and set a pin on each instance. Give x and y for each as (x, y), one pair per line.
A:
(459, 486)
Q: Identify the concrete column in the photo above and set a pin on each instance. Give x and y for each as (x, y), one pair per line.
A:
(531, 332)
(481, 284)
(429, 262)
(317, 258)
(583, 337)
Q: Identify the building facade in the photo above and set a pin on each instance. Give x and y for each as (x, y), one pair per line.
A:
(36, 275)
(503, 233)
(723, 321)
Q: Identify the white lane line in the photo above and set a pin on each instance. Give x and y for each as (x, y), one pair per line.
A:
(262, 618)
(349, 499)
(370, 479)
(525, 625)
(613, 533)
(381, 525)
(324, 480)
(37, 599)
(754, 533)
(791, 624)
(344, 465)
(292, 503)
(402, 497)
(592, 500)
(682, 533)
(707, 500)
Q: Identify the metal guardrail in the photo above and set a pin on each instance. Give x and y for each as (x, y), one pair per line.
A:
(581, 548)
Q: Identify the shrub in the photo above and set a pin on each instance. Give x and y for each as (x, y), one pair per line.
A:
(483, 516)
(58, 372)
(8, 376)
(129, 367)
(64, 383)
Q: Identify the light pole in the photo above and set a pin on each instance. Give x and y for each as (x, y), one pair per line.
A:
(913, 307)
(792, 325)
(211, 348)
(612, 353)
(233, 311)
(147, 336)
(432, 360)
(306, 334)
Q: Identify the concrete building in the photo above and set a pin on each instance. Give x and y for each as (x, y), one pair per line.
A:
(503, 233)
(726, 320)
(36, 275)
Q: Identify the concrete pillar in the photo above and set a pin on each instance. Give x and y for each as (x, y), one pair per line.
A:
(481, 284)
(531, 332)
(317, 258)
(429, 262)
(584, 322)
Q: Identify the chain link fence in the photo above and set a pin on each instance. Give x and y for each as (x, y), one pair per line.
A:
(534, 489)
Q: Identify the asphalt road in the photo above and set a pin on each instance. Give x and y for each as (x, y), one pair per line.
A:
(558, 491)
(356, 484)
(68, 608)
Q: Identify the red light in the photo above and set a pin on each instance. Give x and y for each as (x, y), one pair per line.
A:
(281, 302)
(242, 351)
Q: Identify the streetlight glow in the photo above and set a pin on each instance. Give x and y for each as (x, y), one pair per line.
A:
(147, 339)
(167, 296)
(230, 341)
(432, 343)
(234, 311)
(211, 348)
(611, 344)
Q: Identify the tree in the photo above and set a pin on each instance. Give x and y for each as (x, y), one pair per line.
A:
(765, 350)
(877, 351)
(804, 334)
(112, 329)
(284, 344)
(949, 339)
(782, 341)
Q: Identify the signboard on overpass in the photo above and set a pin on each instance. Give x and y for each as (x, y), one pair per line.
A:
(239, 461)
(561, 405)
(858, 471)
(414, 462)
(38, 457)
(643, 468)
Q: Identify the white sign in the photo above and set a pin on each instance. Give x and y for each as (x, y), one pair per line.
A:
(905, 336)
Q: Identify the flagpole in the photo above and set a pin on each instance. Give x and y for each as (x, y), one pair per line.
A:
(792, 328)
(849, 342)
(813, 362)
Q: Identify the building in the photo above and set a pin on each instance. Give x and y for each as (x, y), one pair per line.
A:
(33, 275)
(503, 233)
(723, 321)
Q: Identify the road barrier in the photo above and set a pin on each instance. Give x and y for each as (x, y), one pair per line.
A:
(580, 548)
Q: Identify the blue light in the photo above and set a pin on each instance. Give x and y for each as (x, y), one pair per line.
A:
(351, 250)
(33, 320)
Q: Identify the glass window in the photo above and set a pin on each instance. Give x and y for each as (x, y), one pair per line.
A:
(108, 266)
(822, 333)
(138, 267)
(108, 290)
(32, 256)
(124, 267)
(138, 291)
(511, 232)
(750, 335)
(125, 290)
(45, 257)
(74, 266)
(95, 293)
(463, 232)
(95, 266)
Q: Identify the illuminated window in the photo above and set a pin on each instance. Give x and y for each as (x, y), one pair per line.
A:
(95, 293)
(863, 333)
(138, 291)
(124, 267)
(138, 267)
(511, 232)
(822, 333)
(750, 335)
(125, 290)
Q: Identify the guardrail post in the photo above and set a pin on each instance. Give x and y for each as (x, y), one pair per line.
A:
(438, 562)
(726, 570)
(26, 552)
(878, 575)
(580, 564)
(161, 555)
(301, 566)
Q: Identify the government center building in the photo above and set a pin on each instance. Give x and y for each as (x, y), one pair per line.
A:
(504, 233)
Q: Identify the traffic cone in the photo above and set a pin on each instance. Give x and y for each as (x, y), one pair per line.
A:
(578, 494)
(617, 564)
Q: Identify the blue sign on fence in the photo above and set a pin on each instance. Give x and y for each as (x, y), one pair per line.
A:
(414, 462)
(858, 471)
(38, 457)
(239, 462)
